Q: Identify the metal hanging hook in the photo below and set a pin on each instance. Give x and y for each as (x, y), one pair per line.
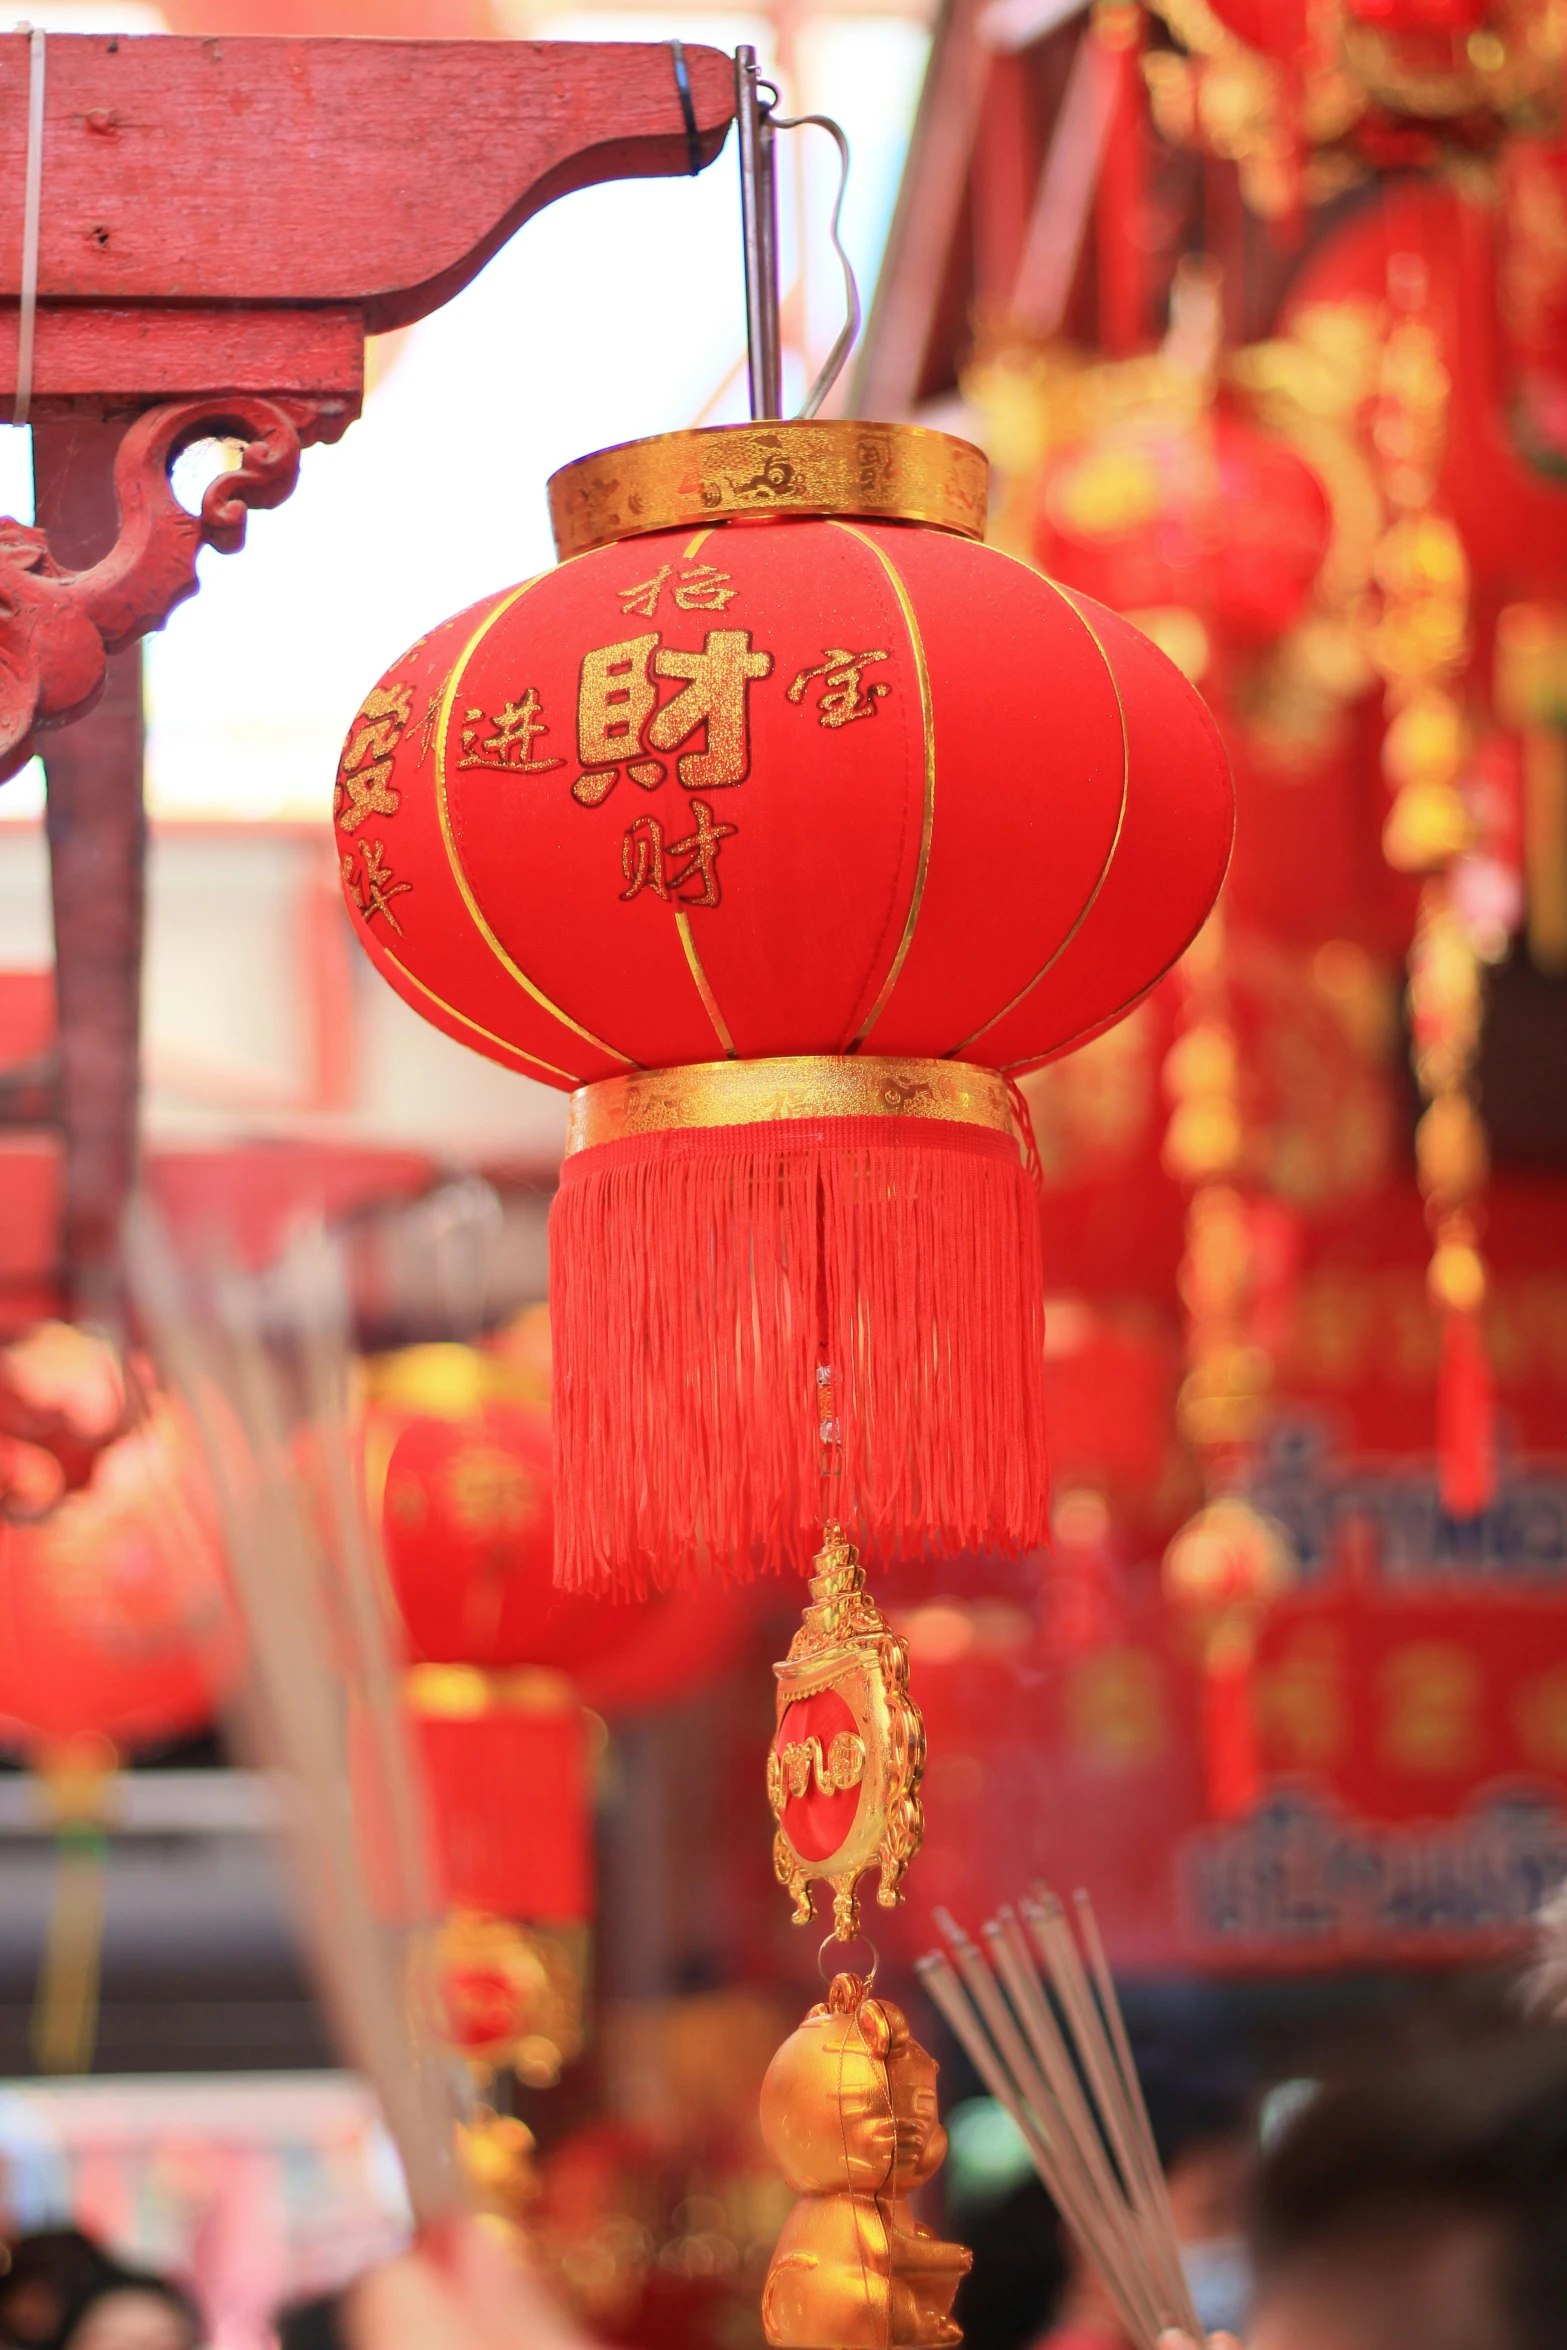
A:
(755, 99)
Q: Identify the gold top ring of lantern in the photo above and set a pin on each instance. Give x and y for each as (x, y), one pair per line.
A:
(719, 473)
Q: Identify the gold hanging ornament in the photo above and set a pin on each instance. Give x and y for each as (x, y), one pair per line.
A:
(844, 1768)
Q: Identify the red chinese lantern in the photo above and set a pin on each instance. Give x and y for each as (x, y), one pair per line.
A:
(502, 1671)
(1212, 518)
(114, 1618)
(783, 825)
(115, 1631)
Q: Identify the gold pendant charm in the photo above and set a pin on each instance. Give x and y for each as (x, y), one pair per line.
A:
(843, 1771)
(849, 2116)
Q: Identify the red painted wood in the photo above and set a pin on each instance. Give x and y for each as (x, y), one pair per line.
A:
(371, 172)
(97, 856)
(107, 361)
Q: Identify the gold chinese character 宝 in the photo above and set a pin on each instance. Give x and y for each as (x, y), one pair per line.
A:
(374, 887)
(703, 589)
(843, 698)
(364, 773)
(507, 748)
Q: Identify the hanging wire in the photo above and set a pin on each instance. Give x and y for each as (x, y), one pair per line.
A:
(833, 365)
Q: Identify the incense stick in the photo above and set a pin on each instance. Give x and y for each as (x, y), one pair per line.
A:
(284, 1576)
(1046, 2036)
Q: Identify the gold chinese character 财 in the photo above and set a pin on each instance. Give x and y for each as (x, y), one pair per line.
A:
(702, 848)
(714, 697)
(617, 700)
(843, 697)
(643, 851)
(642, 858)
(364, 773)
(507, 748)
(374, 887)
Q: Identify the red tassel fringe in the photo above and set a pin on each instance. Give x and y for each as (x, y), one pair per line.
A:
(1229, 1730)
(698, 1279)
(1465, 1415)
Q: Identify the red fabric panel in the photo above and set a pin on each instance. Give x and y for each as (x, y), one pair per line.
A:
(508, 1800)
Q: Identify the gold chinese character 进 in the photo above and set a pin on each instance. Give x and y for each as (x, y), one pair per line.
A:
(843, 697)
(507, 748)
(717, 683)
(364, 773)
(374, 887)
(704, 588)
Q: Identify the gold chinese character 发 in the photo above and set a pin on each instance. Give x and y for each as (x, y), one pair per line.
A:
(643, 851)
(704, 588)
(843, 697)
(364, 773)
(507, 748)
(617, 700)
(375, 886)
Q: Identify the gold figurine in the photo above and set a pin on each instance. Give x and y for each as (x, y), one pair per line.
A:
(849, 2116)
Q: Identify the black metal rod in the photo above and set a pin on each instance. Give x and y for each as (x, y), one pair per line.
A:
(759, 226)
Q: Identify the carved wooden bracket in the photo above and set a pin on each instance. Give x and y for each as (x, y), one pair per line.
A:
(58, 627)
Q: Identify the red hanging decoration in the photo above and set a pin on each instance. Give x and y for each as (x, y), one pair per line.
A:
(782, 836)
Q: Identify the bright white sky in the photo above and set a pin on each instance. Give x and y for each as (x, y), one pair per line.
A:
(437, 494)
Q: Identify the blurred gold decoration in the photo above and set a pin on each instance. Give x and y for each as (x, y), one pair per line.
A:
(1531, 695)
(1421, 644)
(497, 2156)
(501, 1993)
(74, 1777)
(844, 1768)
(1303, 108)
(849, 2115)
(1222, 1572)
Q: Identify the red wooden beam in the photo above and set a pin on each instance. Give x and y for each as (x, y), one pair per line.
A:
(223, 221)
(228, 215)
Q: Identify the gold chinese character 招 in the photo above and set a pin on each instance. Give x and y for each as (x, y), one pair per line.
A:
(702, 588)
(619, 721)
(515, 729)
(364, 772)
(843, 697)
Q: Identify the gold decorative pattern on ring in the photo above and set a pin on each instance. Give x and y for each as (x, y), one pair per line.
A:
(805, 1085)
(675, 480)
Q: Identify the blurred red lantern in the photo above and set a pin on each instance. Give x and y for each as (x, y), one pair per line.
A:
(784, 837)
(502, 1671)
(114, 1616)
(1209, 517)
